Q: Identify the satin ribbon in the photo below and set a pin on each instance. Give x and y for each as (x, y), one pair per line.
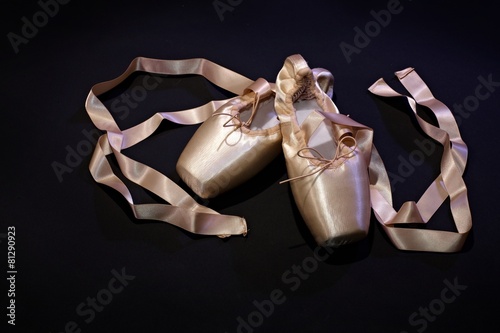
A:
(183, 211)
(448, 184)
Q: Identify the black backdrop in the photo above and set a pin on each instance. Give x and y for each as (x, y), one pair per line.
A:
(84, 264)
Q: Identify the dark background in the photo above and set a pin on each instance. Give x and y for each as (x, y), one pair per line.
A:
(71, 233)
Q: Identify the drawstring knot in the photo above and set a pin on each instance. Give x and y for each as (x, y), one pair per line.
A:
(239, 123)
(324, 162)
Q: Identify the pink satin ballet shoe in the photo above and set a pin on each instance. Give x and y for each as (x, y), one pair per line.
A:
(326, 155)
(233, 145)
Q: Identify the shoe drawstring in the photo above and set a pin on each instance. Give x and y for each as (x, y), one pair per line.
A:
(326, 163)
(239, 123)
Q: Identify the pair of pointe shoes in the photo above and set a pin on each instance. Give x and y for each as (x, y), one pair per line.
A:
(327, 153)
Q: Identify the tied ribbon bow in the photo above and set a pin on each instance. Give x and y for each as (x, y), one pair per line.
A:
(239, 123)
(261, 89)
(324, 162)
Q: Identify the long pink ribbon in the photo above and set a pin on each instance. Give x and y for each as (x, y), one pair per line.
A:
(183, 211)
(448, 184)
